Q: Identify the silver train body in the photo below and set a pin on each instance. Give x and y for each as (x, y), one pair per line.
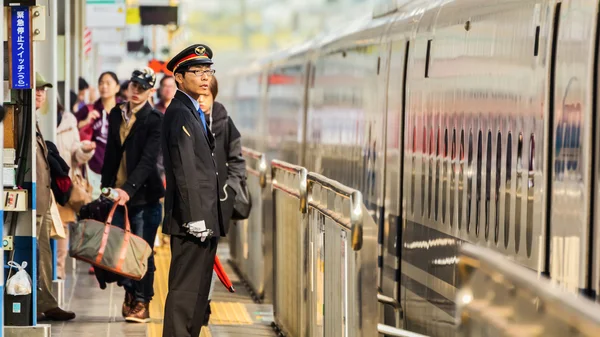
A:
(459, 121)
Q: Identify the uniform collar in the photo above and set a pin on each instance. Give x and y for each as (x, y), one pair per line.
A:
(195, 102)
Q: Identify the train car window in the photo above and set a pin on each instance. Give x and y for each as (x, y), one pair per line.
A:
(430, 170)
(469, 180)
(497, 189)
(423, 172)
(478, 182)
(445, 176)
(452, 177)
(530, 192)
(507, 189)
(461, 158)
(437, 173)
(488, 183)
(519, 192)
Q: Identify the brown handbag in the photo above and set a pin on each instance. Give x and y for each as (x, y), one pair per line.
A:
(109, 247)
(82, 191)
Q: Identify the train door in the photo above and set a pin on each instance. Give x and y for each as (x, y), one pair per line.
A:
(391, 237)
(573, 178)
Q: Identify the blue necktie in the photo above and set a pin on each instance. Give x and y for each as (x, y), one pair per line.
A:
(202, 118)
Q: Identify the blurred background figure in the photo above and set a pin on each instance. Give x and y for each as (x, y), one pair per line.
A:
(166, 92)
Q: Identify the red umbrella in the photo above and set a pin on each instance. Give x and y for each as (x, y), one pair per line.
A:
(218, 268)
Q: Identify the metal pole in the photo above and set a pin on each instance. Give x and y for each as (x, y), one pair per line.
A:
(67, 46)
(2, 56)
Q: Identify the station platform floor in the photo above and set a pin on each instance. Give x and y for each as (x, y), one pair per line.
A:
(99, 311)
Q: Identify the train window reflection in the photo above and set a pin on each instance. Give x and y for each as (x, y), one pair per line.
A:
(497, 189)
(430, 181)
(469, 179)
(488, 183)
(437, 173)
(423, 173)
(507, 189)
(445, 176)
(452, 176)
(461, 158)
(530, 192)
(519, 192)
(478, 186)
(413, 169)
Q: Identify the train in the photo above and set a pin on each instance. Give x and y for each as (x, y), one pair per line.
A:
(458, 121)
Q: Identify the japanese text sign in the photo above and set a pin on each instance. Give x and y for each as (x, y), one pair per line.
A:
(20, 48)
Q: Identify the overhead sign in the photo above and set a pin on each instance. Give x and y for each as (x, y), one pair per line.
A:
(105, 15)
(133, 16)
(20, 48)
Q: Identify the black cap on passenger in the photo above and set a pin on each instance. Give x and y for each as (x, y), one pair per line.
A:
(145, 77)
(196, 54)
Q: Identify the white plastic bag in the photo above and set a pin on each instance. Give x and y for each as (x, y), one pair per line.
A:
(20, 282)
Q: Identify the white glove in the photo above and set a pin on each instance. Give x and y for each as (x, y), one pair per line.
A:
(198, 229)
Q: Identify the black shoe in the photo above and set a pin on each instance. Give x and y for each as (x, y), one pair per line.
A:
(206, 315)
(56, 314)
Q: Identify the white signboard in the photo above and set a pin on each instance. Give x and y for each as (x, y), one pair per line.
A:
(105, 15)
(108, 35)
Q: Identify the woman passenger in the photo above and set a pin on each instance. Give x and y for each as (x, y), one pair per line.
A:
(228, 156)
(96, 115)
(75, 153)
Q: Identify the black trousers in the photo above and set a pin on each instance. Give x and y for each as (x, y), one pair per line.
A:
(190, 276)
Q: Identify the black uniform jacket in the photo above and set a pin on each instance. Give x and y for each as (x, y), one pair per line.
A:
(141, 147)
(228, 155)
(191, 173)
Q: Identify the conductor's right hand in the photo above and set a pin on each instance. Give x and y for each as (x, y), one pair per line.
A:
(199, 230)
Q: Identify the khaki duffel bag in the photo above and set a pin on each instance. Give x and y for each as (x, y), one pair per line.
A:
(109, 247)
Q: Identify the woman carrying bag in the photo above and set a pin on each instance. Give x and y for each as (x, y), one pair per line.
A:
(75, 153)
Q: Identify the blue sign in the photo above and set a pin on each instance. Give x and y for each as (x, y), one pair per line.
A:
(20, 48)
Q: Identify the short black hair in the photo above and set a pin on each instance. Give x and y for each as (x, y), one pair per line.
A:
(72, 99)
(83, 84)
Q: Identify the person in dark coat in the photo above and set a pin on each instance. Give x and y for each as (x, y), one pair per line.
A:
(228, 154)
(130, 168)
(192, 208)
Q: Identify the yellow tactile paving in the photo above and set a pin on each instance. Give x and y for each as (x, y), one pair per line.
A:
(229, 313)
(223, 313)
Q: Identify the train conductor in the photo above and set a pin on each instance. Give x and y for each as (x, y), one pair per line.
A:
(192, 209)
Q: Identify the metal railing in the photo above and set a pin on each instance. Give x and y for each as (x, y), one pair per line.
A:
(321, 247)
(249, 240)
(290, 268)
(501, 298)
(342, 271)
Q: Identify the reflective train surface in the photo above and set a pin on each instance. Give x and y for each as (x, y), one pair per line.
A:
(459, 121)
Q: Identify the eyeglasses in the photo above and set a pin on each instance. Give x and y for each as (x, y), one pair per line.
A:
(199, 73)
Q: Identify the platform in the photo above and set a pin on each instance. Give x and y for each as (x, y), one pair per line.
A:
(99, 311)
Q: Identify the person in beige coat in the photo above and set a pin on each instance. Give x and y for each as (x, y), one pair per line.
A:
(75, 153)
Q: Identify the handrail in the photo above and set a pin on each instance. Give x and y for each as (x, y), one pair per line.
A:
(391, 331)
(387, 300)
(302, 183)
(580, 307)
(356, 215)
(251, 153)
(261, 168)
